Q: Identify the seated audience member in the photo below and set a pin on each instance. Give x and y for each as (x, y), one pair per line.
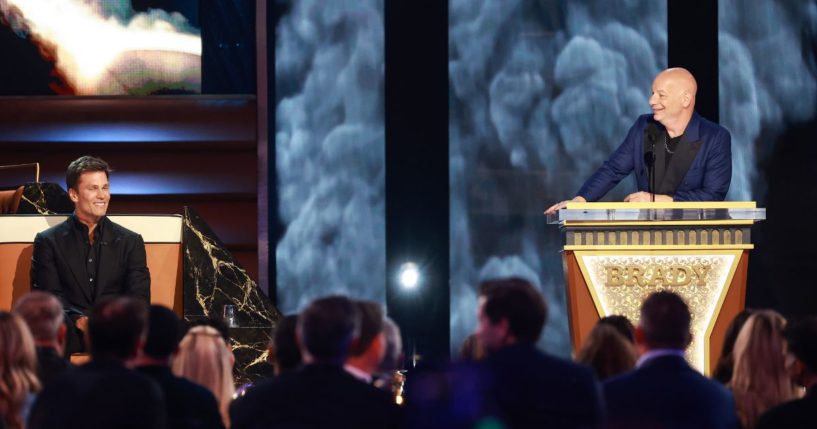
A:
(470, 350)
(104, 394)
(18, 379)
(368, 350)
(284, 354)
(759, 378)
(205, 359)
(622, 325)
(393, 356)
(189, 405)
(607, 351)
(530, 388)
(44, 316)
(723, 370)
(388, 377)
(664, 391)
(320, 394)
(801, 361)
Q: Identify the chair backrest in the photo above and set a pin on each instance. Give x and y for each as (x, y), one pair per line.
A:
(10, 200)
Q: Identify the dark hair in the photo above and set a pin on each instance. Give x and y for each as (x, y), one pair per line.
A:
(327, 327)
(42, 313)
(84, 164)
(723, 369)
(116, 325)
(622, 324)
(164, 332)
(607, 351)
(801, 338)
(371, 325)
(287, 354)
(517, 301)
(665, 321)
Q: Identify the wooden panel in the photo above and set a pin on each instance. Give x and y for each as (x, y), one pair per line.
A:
(15, 279)
(163, 260)
(733, 303)
(165, 264)
(581, 309)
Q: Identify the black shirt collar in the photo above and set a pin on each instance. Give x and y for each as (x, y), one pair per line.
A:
(80, 227)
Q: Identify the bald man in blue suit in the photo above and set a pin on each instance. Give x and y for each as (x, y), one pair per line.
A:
(692, 156)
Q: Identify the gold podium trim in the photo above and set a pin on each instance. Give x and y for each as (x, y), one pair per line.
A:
(671, 205)
(663, 223)
(712, 317)
(601, 247)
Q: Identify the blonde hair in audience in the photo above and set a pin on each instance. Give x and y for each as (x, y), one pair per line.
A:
(18, 369)
(759, 378)
(204, 358)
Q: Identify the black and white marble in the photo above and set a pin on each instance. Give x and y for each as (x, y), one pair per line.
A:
(213, 279)
(44, 199)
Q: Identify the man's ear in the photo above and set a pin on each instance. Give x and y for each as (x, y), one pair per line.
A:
(641, 346)
(686, 99)
(72, 194)
(505, 327)
(688, 340)
(62, 331)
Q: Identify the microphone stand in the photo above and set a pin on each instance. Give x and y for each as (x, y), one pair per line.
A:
(649, 159)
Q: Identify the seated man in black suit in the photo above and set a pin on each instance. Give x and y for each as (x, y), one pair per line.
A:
(664, 391)
(104, 394)
(44, 316)
(368, 351)
(189, 405)
(801, 360)
(321, 394)
(88, 257)
(527, 387)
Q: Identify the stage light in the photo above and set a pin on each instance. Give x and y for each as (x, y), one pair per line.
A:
(409, 275)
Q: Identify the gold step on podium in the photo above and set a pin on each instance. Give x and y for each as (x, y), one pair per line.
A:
(616, 254)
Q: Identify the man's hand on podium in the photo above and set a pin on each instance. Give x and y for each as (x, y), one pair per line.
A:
(560, 205)
(645, 197)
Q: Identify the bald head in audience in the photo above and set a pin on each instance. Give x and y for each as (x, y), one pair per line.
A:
(44, 316)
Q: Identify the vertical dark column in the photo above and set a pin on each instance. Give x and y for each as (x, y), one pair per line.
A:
(275, 229)
(228, 47)
(692, 33)
(416, 35)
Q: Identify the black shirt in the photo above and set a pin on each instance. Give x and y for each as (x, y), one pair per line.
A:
(669, 147)
(90, 251)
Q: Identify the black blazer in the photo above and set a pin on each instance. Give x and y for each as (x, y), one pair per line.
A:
(56, 265)
(315, 396)
(797, 414)
(189, 405)
(665, 392)
(532, 389)
(99, 395)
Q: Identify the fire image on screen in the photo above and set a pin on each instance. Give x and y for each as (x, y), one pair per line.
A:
(99, 47)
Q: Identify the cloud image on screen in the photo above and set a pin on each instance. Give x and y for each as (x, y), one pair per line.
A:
(541, 92)
(97, 47)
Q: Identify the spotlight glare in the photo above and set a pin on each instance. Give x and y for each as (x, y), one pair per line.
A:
(409, 275)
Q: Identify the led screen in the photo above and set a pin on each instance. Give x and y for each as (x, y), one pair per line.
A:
(100, 47)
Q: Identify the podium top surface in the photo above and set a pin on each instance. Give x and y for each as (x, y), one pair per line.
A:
(744, 212)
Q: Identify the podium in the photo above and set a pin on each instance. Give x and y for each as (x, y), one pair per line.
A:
(616, 254)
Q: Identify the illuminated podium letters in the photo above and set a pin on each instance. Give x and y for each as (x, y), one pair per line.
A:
(616, 254)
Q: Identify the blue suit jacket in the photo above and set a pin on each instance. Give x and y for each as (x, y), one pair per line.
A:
(665, 392)
(707, 178)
